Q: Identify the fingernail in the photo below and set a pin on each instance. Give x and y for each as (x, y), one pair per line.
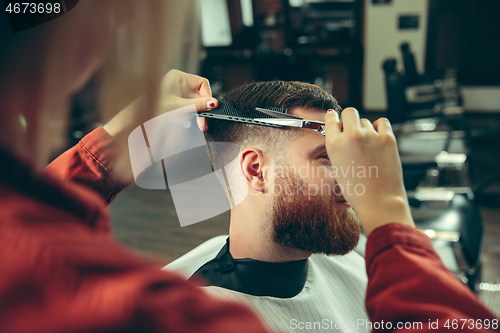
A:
(211, 104)
(335, 113)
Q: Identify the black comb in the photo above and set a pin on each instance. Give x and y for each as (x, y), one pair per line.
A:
(226, 111)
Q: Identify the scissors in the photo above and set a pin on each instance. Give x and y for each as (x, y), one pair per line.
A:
(285, 119)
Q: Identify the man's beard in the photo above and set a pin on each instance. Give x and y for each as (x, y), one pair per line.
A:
(312, 223)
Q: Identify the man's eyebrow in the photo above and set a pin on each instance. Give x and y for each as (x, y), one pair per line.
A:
(318, 149)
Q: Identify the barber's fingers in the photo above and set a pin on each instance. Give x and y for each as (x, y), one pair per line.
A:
(203, 103)
(181, 89)
(383, 126)
(185, 85)
(205, 89)
(202, 123)
(198, 92)
(350, 120)
(197, 86)
(366, 124)
(332, 122)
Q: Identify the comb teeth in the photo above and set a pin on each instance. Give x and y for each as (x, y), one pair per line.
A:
(226, 111)
(272, 108)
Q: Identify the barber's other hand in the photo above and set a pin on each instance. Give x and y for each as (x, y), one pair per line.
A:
(181, 89)
(178, 89)
(378, 195)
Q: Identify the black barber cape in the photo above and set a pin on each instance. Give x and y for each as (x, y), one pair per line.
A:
(254, 277)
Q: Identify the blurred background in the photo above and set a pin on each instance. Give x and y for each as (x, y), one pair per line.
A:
(431, 66)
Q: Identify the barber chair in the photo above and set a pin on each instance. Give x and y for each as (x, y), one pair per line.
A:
(412, 76)
(398, 107)
(429, 85)
(439, 102)
(425, 126)
(440, 85)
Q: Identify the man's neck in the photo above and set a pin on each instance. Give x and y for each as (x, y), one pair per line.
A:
(251, 236)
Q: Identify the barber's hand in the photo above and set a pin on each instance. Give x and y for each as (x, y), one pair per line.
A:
(378, 196)
(178, 89)
(181, 89)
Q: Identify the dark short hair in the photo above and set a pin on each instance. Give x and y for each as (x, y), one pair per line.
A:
(280, 94)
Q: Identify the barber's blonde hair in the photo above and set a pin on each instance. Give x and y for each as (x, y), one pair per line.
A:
(160, 36)
(142, 40)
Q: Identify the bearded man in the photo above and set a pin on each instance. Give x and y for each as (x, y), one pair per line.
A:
(290, 246)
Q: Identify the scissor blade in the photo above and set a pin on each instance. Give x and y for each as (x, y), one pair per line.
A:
(282, 122)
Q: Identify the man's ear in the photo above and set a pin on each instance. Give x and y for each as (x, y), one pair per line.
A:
(252, 166)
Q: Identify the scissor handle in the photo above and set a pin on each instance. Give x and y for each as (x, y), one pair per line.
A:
(304, 123)
(314, 125)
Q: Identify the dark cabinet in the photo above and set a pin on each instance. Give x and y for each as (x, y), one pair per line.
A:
(317, 42)
(465, 34)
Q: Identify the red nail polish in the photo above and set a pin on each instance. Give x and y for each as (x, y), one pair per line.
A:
(212, 105)
(329, 111)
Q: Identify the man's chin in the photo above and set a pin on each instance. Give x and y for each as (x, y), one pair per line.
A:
(319, 224)
(341, 251)
(329, 246)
